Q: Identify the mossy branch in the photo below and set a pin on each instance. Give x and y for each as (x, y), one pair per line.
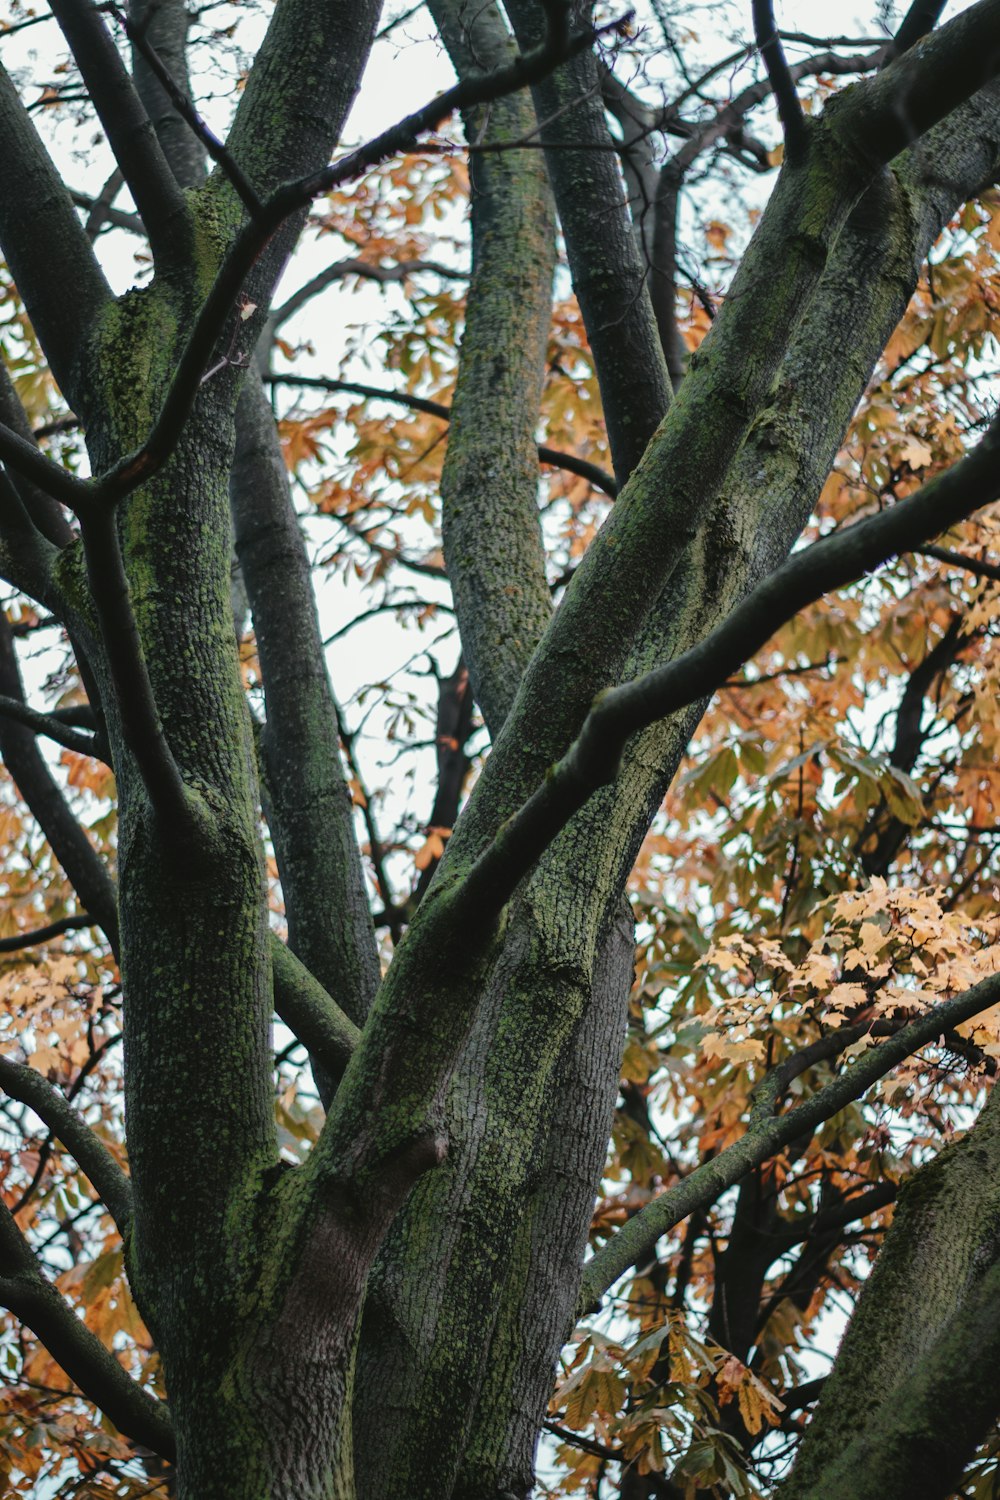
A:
(767, 1134)
(181, 812)
(310, 1012)
(87, 497)
(592, 760)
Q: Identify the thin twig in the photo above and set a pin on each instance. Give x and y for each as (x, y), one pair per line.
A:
(554, 457)
(976, 565)
(55, 929)
(185, 108)
(72, 739)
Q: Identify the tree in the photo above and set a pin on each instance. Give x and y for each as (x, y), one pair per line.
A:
(374, 1301)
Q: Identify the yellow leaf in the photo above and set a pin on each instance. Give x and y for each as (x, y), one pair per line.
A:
(916, 454)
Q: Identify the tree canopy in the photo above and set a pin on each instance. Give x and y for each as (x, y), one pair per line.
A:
(499, 952)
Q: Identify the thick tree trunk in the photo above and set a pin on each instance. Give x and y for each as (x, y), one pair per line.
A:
(913, 1389)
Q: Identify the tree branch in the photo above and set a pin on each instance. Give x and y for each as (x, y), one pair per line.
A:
(100, 210)
(368, 270)
(663, 203)
(94, 1159)
(922, 17)
(490, 528)
(64, 289)
(976, 565)
(906, 1387)
(421, 1018)
(311, 1013)
(888, 831)
(662, 511)
(163, 24)
(309, 804)
(391, 916)
(592, 760)
(185, 108)
(25, 1292)
(157, 195)
(89, 496)
(83, 744)
(181, 812)
(856, 1206)
(554, 457)
(584, 1443)
(46, 515)
(117, 218)
(55, 929)
(453, 730)
(26, 558)
(609, 276)
(48, 806)
(793, 123)
(767, 1134)
(885, 114)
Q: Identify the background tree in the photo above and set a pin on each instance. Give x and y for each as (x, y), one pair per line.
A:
(224, 1281)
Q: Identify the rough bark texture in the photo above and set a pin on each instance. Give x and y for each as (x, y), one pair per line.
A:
(489, 486)
(489, 1056)
(309, 806)
(923, 1335)
(609, 274)
(549, 950)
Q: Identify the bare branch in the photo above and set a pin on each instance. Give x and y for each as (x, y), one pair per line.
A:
(158, 197)
(46, 515)
(94, 1159)
(90, 495)
(849, 1211)
(25, 1292)
(185, 108)
(793, 122)
(609, 275)
(26, 558)
(976, 565)
(101, 207)
(308, 801)
(367, 270)
(82, 743)
(922, 17)
(45, 934)
(48, 806)
(116, 217)
(310, 1012)
(660, 203)
(164, 26)
(64, 289)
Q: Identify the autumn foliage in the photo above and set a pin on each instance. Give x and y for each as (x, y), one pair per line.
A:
(824, 866)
